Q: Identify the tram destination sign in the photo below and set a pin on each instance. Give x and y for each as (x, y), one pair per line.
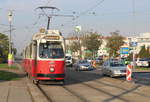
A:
(52, 37)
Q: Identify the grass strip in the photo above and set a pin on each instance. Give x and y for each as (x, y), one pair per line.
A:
(142, 68)
(7, 67)
(6, 76)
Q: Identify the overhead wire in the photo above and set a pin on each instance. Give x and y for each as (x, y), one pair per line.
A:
(90, 9)
(96, 4)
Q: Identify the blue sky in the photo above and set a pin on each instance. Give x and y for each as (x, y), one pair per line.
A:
(109, 16)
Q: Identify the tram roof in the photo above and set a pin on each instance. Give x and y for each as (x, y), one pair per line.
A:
(41, 35)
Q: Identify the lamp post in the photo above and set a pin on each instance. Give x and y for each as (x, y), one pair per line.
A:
(78, 29)
(10, 58)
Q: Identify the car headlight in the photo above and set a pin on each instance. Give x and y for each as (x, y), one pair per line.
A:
(82, 67)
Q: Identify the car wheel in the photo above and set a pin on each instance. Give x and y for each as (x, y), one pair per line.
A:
(111, 75)
(103, 74)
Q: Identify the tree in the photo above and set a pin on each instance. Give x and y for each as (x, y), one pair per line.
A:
(74, 47)
(144, 53)
(92, 42)
(3, 47)
(114, 42)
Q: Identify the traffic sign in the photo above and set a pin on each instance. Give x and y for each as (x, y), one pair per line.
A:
(129, 73)
(133, 44)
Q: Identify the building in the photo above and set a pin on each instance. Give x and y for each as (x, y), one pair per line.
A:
(142, 39)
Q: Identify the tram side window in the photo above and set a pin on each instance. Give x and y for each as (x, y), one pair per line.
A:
(51, 50)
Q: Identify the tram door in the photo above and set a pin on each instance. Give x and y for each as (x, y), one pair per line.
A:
(34, 57)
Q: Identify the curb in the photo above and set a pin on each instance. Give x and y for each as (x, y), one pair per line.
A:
(36, 94)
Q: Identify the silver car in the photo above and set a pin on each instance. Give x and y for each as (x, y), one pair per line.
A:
(82, 65)
(114, 68)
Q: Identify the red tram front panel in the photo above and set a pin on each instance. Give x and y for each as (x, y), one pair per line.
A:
(50, 70)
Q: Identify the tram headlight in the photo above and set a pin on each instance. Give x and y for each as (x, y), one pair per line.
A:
(52, 69)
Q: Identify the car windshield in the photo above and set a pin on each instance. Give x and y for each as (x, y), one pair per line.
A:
(116, 64)
(83, 62)
(68, 57)
(51, 50)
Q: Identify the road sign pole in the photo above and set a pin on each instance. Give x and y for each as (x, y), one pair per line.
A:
(134, 45)
(133, 57)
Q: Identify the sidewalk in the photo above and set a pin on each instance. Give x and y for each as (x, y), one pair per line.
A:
(14, 90)
(19, 90)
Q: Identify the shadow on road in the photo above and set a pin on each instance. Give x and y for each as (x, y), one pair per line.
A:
(141, 78)
(75, 77)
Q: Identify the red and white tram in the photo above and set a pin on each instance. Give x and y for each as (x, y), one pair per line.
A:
(44, 57)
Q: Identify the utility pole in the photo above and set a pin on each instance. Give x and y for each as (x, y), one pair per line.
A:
(51, 15)
(78, 29)
(134, 41)
(10, 56)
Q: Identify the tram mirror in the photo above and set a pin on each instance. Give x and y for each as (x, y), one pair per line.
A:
(34, 43)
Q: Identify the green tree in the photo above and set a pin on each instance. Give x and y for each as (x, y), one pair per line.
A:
(144, 53)
(14, 50)
(92, 42)
(74, 47)
(114, 42)
(3, 47)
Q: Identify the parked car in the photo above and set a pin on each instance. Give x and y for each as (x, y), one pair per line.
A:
(90, 59)
(82, 65)
(114, 68)
(143, 62)
(68, 60)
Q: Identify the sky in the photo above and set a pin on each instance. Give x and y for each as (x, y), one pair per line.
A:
(103, 16)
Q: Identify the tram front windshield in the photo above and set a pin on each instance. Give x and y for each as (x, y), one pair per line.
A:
(51, 50)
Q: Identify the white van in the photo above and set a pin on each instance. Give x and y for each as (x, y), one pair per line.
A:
(68, 60)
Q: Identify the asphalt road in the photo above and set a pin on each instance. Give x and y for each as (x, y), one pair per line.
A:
(91, 86)
(137, 77)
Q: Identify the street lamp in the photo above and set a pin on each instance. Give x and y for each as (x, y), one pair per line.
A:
(78, 29)
(10, 58)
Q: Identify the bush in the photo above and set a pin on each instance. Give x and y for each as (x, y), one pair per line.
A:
(1, 60)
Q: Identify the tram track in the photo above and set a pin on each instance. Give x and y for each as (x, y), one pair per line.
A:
(125, 89)
(101, 91)
(48, 96)
(122, 88)
(44, 93)
(54, 93)
(77, 95)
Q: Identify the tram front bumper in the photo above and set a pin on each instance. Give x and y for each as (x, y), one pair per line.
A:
(50, 76)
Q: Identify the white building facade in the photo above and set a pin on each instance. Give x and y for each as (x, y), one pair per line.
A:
(142, 39)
